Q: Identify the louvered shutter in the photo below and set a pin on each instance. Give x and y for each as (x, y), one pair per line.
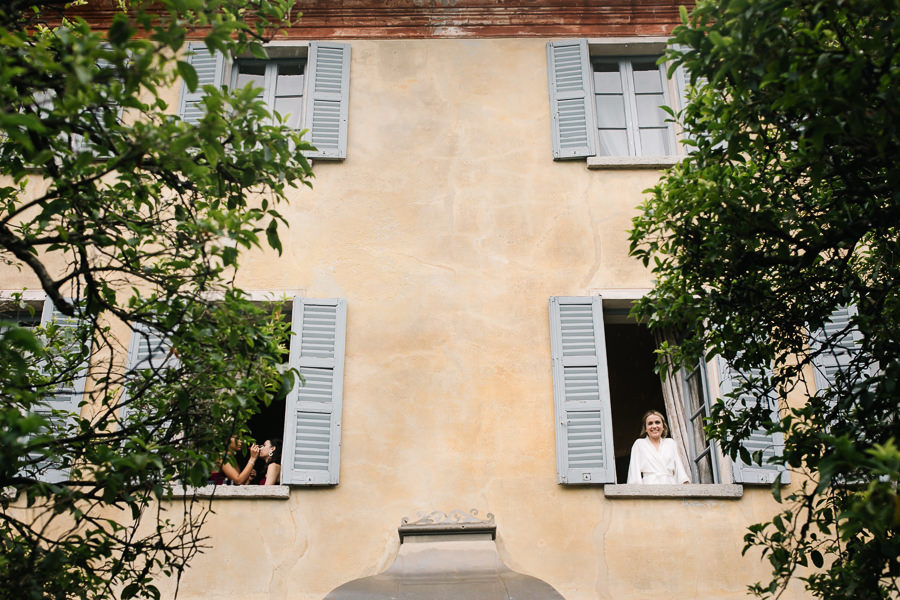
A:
(571, 99)
(842, 347)
(770, 444)
(584, 452)
(63, 402)
(210, 71)
(327, 99)
(312, 436)
(147, 349)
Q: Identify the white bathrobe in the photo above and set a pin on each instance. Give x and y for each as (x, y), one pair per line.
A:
(656, 465)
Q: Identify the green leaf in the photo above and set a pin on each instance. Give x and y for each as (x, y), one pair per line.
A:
(188, 74)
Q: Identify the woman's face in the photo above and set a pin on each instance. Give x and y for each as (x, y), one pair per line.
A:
(266, 449)
(654, 426)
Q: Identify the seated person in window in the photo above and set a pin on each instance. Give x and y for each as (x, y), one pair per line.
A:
(228, 472)
(654, 456)
(268, 465)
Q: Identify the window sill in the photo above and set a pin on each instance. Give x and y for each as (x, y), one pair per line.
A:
(717, 491)
(273, 492)
(631, 162)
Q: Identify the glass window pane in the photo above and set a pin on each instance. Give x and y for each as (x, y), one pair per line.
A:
(251, 72)
(647, 78)
(610, 111)
(290, 79)
(649, 112)
(613, 142)
(656, 142)
(289, 108)
(607, 78)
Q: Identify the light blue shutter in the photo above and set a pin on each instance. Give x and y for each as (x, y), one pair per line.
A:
(584, 451)
(841, 350)
(327, 99)
(66, 397)
(312, 428)
(147, 349)
(770, 444)
(210, 71)
(571, 99)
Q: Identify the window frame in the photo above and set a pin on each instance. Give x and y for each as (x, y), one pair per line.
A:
(714, 387)
(563, 72)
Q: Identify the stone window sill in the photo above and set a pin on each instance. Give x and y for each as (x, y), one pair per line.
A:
(716, 491)
(631, 162)
(240, 492)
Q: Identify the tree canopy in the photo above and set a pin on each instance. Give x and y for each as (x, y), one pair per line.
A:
(127, 217)
(783, 215)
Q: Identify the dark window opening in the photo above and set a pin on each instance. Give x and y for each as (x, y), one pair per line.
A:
(634, 387)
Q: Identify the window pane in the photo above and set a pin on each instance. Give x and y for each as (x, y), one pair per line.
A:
(613, 142)
(647, 78)
(656, 142)
(251, 72)
(649, 112)
(289, 108)
(607, 78)
(290, 79)
(610, 111)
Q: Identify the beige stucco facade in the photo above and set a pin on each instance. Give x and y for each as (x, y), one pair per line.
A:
(446, 229)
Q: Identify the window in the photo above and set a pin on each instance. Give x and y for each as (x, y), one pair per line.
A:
(62, 404)
(308, 84)
(604, 382)
(281, 83)
(309, 420)
(608, 105)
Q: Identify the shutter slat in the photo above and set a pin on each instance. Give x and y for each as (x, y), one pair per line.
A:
(771, 444)
(312, 423)
(327, 100)
(571, 99)
(62, 404)
(581, 391)
(210, 70)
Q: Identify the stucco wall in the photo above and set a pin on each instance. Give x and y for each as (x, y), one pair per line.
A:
(447, 228)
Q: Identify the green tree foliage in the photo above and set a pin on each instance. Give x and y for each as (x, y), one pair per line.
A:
(787, 208)
(108, 198)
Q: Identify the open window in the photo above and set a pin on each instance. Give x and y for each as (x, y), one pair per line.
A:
(308, 420)
(604, 382)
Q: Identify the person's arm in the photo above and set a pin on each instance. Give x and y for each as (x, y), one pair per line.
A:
(240, 478)
(634, 465)
(273, 474)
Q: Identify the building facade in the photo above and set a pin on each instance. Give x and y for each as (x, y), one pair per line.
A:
(460, 282)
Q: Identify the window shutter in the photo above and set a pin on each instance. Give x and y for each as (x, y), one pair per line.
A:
(327, 99)
(584, 452)
(312, 436)
(837, 357)
(210, 71)
(147, 349)
(63, 402)
(571, 99)
(770, 444)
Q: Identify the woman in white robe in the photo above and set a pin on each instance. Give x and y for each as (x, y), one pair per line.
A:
(654, 456)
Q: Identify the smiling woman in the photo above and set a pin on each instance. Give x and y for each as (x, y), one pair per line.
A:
(654, 456)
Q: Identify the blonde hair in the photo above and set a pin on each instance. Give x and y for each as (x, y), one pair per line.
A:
(665, 431)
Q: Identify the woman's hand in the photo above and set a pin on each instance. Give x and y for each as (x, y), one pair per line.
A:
(254, 452)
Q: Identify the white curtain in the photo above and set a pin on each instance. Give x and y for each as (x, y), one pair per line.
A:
(673, 396)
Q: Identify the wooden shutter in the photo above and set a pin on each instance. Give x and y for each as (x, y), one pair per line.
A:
(842, 348)
(210, 71)
(147, 349)
(63, 403)
(584, 451)
(571, 99)
(770, 444)
(327, 99)
(312, 429)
